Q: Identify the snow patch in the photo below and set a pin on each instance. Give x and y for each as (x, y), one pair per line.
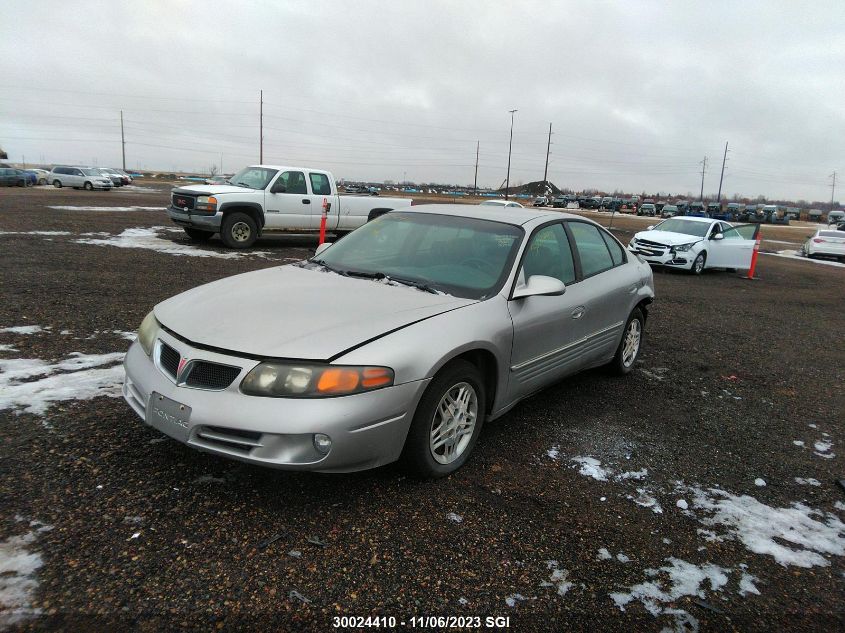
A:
(809, 481)
(645, 499)
(47, 233)
(746, 583)
(823, 449)
(454, 518)
(603, 554)
(553, 452)
(760, 483)
(23, 329)
(31, 385)
(18, 583)
(512, 599)
(7, 348)
(792, 536)
(682, 504)
(148, 238)
(798, 443)
(591, 467)
(622, 558)
(636, 474)
(67, 208)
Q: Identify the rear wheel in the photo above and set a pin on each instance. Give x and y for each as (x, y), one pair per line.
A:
(88, 186)
(198, 235)
(698, 264)
(42, 181)
(629, 347)
(238, 230)
(447, 422)
(57, 184)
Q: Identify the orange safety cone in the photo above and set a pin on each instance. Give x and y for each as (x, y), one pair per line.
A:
(323, 221)
(754, 257)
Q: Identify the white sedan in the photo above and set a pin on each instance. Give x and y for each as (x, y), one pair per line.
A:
(693, 244)
(825, 242)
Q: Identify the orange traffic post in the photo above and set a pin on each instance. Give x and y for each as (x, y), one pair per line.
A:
(754, 257)
(323, 221)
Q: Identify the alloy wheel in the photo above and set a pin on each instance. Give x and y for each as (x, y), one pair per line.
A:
(631, 346)
(241, 232)
(453, 423)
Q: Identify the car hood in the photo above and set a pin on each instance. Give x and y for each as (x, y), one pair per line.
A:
(293, 312)
(668, 238)
(208, 190)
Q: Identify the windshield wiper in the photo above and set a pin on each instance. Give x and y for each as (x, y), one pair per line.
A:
(240, 184)
(421, 285)
(322, 262)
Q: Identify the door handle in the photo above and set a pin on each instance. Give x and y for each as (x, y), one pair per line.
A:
(578, 312)
(306, 201)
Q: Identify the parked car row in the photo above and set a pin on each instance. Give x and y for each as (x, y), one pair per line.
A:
(11, 177)
(88, 177)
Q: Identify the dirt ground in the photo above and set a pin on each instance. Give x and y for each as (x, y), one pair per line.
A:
(699, 492)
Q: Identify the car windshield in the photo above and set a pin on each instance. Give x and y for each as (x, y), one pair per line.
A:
(681, 225)
(464, 257)
(253, 177)
(91, 172)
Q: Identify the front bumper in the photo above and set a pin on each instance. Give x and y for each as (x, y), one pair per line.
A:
(664, 257)
(184, 217)
(367, 429)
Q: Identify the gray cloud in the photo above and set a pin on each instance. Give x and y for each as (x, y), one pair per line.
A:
(637, 92)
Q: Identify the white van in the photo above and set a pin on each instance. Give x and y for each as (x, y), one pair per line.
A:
(835, 217)
(78, 177)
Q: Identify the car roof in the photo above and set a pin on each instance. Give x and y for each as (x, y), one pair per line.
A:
(508, 215)
(693, 218)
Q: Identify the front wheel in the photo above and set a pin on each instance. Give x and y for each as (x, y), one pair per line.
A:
(42, 181)
(447, 422)
(629, 347)
(238, 230)
(88, 186)
(198, 235)
(698, 264)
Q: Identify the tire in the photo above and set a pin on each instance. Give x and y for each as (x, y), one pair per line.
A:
(730, 270)
(21, 183)
(57, 184)
(88, 186)
(42, 181)
(698, 263)
(238, 230)
(198, 235)
(421, 456)
(629, 347)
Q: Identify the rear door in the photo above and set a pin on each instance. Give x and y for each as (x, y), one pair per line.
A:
(288, 203)
(736, 247)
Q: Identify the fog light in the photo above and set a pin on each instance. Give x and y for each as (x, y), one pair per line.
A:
(323, 443)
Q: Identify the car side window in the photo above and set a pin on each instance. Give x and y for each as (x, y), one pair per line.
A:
(294, 182)
(549, 254)
(592, 250)
(616, 253)
(731, 233)
(320, 184)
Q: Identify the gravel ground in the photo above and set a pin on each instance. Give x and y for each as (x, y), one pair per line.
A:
(670, 493)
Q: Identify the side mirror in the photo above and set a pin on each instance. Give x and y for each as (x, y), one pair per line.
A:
(279, 187)
(321, 248)
(719, 236)
(540, 285)
(649, 227)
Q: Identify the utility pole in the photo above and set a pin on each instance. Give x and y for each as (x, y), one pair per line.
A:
(510, 144)
(546, 171)
(724, 158)
(261, 128)
(122, 141)
(703, 167)
(475, 182)
(832, 188)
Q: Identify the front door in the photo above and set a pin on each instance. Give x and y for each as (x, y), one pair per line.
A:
(288, 203)
(546, 329)
(736, 247)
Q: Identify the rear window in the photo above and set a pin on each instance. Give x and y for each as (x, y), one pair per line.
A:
(320, 184)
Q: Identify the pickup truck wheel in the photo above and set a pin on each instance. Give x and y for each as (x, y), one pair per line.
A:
(57, 184)
(238, 230)
(447, 422)
(88, 186)
(198, 235)
(629, 347)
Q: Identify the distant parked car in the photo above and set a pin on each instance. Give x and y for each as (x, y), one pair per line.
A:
(11, 177)
(79, 178)
(660, 204)
(540, 201)
(647, 208)
(696, 210)
(116, 179)
(668, 211)
(714, 209)
(217, 180)
(825, 242)
(500, 203)
(835, 217)
(693, 244)
(40, 175)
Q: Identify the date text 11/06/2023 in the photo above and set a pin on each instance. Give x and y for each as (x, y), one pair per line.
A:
(422, 622)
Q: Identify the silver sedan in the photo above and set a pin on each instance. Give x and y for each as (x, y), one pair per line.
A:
(395, 343)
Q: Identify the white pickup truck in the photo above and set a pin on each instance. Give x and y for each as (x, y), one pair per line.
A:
(271, 198)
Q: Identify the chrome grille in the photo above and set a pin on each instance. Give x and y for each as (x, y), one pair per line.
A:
(169, 358)
(205, 375)
(181, 200)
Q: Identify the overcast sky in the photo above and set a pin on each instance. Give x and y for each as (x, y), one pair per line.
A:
(637, 92)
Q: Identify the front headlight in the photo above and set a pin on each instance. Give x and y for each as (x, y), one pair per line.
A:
(684, 247)
(302, 380)
(147, 333)
(206, 203)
